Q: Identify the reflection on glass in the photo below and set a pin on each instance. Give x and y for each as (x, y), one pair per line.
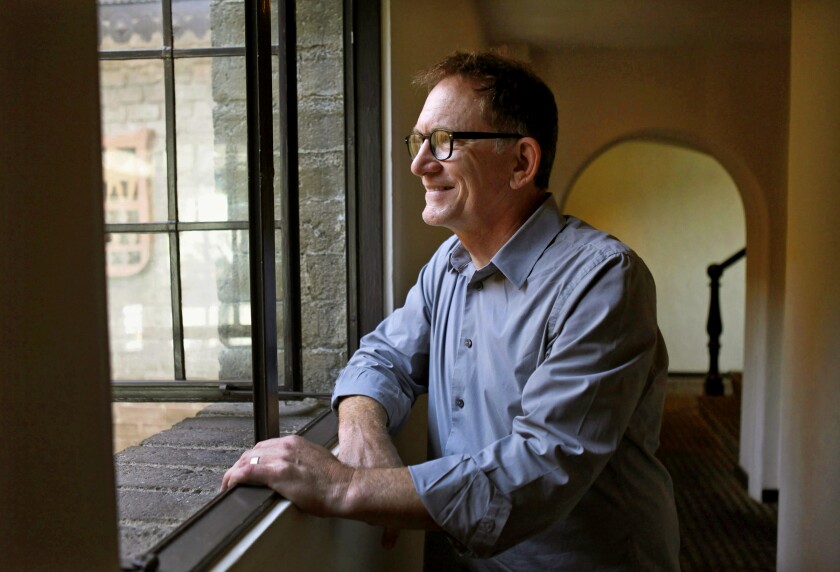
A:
(129, 25)
(211, 135)
(135, 422)
(139, 306)
(133, 140)
(208, 23)
(216, 305)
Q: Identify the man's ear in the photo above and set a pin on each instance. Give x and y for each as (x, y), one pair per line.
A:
(528, 155)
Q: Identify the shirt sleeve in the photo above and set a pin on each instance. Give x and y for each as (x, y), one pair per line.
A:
(392, 362)
(576, 407)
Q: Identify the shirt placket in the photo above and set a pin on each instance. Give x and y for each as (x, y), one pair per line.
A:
(463, 371)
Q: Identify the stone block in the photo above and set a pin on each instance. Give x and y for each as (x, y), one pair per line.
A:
(171, 479)
(321, 72)
(160, 507)
(184, 457)
(138, 538)
(321, 273)
(320, 22)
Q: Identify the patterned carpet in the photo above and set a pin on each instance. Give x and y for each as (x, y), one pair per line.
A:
(721, 528)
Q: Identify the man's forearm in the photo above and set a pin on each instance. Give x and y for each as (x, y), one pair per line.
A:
(385, 497)
(363, 434)
(381, 491)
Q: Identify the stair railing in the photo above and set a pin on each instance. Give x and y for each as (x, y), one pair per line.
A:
(714, 325)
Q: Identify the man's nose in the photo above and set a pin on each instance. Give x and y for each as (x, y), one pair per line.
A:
(424, 162)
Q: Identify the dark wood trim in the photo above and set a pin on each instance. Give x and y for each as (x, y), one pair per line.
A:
(363, 90)
(261, 217)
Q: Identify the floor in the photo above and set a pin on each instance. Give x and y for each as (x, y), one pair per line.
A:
(721, 528)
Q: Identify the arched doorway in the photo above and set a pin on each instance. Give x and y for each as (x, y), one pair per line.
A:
(681, 211)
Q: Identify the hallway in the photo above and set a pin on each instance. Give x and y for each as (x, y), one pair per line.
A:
(721, 528)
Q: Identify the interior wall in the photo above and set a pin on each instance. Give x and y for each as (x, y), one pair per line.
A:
(680, 210)
(421, 34)
(727, 100)
(57, 482)
(810, 469)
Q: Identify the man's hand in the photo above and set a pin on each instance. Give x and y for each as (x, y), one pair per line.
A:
(318, 483)
(303, 472)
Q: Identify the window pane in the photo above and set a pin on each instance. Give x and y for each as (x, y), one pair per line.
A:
(136, 422)
(206, 23)
(216, 305)
(129, 25)
(211, 135)
(134, 138)
(139, 306)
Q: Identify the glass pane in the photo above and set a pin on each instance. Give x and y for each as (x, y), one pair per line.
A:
(206, 23)
(211, 134)
(139, 306)
(136, 422)
(129, 25)
(216, 298)
(134, 138)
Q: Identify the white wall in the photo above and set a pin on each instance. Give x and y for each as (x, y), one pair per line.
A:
(680, 211)
(809, 503)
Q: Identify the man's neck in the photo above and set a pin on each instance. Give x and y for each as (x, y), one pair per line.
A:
(485, 242)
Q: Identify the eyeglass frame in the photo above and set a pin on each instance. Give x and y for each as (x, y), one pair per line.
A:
(453, 135)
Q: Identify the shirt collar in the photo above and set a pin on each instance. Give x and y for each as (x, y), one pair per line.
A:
(516, 259)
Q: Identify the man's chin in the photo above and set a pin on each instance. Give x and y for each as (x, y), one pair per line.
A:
(434, 216)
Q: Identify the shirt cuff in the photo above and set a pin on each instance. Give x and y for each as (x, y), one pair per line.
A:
(463, 501)
(363, 381)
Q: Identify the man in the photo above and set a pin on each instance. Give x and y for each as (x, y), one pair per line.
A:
(536, 338)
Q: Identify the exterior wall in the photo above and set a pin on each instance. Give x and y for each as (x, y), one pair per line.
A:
(809, 501)
(680, 210)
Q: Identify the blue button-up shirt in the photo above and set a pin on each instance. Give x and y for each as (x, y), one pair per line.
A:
(546, 376)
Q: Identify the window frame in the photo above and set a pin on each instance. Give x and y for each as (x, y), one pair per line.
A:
(189, 547)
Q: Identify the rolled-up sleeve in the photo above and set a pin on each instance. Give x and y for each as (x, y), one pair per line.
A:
(576, 407)
(392, 362)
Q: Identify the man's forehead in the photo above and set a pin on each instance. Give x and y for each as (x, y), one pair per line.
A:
(452, 104)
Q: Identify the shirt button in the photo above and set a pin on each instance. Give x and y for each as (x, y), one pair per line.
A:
(479, 286)
(468, 343)
(460, 403)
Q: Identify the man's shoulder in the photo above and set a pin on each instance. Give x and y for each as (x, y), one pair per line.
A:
(580, 234)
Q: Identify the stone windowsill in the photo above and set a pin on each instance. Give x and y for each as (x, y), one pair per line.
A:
(171, 475)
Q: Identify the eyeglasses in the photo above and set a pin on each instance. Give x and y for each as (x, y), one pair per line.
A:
(440, 140)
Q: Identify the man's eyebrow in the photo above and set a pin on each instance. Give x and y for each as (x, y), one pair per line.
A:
(436, 128)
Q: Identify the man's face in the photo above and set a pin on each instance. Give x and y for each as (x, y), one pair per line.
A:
(467, 192)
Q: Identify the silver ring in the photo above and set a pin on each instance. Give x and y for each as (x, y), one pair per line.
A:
(255, 460)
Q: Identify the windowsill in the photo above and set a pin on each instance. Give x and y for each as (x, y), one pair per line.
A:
(173, 475)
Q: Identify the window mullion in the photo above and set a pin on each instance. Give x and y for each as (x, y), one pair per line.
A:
(290, 206)
(261, 218)
(172, 194)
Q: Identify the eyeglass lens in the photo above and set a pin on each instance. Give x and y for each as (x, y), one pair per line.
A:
(440, 142)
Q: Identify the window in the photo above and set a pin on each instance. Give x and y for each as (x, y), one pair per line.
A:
(212, 264)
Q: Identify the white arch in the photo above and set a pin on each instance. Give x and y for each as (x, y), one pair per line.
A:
(761, 398)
